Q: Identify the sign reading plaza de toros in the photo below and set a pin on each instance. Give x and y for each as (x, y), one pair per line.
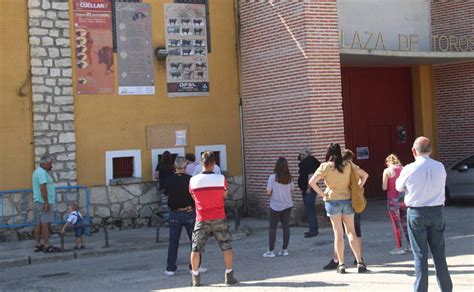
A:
(406, 42)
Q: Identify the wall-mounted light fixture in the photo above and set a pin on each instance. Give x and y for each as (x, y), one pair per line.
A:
(161, 53)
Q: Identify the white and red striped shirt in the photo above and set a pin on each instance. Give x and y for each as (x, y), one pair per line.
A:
(208, 191)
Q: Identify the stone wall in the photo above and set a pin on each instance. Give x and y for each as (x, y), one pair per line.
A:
(124, 206)
(52, 94)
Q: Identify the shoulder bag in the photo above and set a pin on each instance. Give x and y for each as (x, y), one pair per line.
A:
(357, 193)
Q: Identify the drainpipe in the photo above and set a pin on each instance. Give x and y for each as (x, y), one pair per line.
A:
(241, 111)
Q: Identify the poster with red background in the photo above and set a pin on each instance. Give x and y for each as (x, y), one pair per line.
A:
(93, 47)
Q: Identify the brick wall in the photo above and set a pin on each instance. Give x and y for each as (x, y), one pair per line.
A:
(454, 84)
(291, 87)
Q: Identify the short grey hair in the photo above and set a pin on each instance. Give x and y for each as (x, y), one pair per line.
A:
(306, 152)
(45, 159)
(422, 145)
(180, 162)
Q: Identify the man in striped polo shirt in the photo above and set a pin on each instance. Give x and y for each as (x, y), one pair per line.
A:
(209, 190)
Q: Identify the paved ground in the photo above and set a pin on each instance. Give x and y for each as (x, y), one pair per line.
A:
(143, 270)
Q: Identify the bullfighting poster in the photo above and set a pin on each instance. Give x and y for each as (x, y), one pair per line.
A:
(134, 48)
(186, 43)
(93, 47)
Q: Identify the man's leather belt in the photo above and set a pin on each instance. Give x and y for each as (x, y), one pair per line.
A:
(185, 209)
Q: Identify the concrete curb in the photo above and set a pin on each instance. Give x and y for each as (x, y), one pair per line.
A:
(242, 233)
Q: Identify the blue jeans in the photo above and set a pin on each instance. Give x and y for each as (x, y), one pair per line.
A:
(426, 228)
(177, 220)
(309, 200)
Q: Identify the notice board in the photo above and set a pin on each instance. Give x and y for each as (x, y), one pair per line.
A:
(166, 136)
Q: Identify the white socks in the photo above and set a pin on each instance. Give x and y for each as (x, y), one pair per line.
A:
(228, 270)
(195, 273)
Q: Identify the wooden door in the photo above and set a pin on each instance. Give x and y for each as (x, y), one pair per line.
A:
(378, 118)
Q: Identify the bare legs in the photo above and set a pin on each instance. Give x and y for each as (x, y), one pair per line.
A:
(38, 234)
(45, 233)
(228, 259)
(348, 221)
(195, 258)
(42, 230)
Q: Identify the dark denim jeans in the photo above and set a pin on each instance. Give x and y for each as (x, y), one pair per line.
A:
(426, 228)
(178, 220)
(309, 200)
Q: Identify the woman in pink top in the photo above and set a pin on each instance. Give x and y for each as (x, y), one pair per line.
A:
(396, 207)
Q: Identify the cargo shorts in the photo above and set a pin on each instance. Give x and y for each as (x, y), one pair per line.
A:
(41, 216)
(204, 229)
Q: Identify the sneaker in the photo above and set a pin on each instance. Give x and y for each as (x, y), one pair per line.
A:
(310, 234)
(201, 270)
(269, 254)
(196, 280)
(283, 252)
(361, 268)
(229, 278)
(398, 251)
(169, 273)
(331, 266)
(408, 249)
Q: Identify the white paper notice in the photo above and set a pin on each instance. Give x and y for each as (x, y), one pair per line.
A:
(181, 138)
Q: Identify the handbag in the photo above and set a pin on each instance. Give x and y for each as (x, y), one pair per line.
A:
(357, 193)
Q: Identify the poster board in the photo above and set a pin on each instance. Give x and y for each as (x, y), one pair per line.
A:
(166, 136)
(186, 42)
(134, 48)
(93, 47)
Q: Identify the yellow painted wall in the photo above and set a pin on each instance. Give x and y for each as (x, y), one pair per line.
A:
(424, 106)
(16, 149)
(113, 122)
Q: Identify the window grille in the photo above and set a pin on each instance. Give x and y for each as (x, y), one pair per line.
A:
(122, 167)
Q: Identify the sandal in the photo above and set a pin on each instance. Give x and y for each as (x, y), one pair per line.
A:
(51, 248)
(39, 248)
(361, 267)
(341, 269)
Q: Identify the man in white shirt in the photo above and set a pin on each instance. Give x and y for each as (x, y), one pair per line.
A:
(424, 184)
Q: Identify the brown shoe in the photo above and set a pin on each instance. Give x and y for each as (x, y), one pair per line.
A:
(229, 278)
(196, 281)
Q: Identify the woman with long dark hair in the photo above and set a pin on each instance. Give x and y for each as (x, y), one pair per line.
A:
(164, 169)
(337, 202)
(279, 187)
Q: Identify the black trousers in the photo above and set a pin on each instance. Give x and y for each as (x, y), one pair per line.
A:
(284, 218)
